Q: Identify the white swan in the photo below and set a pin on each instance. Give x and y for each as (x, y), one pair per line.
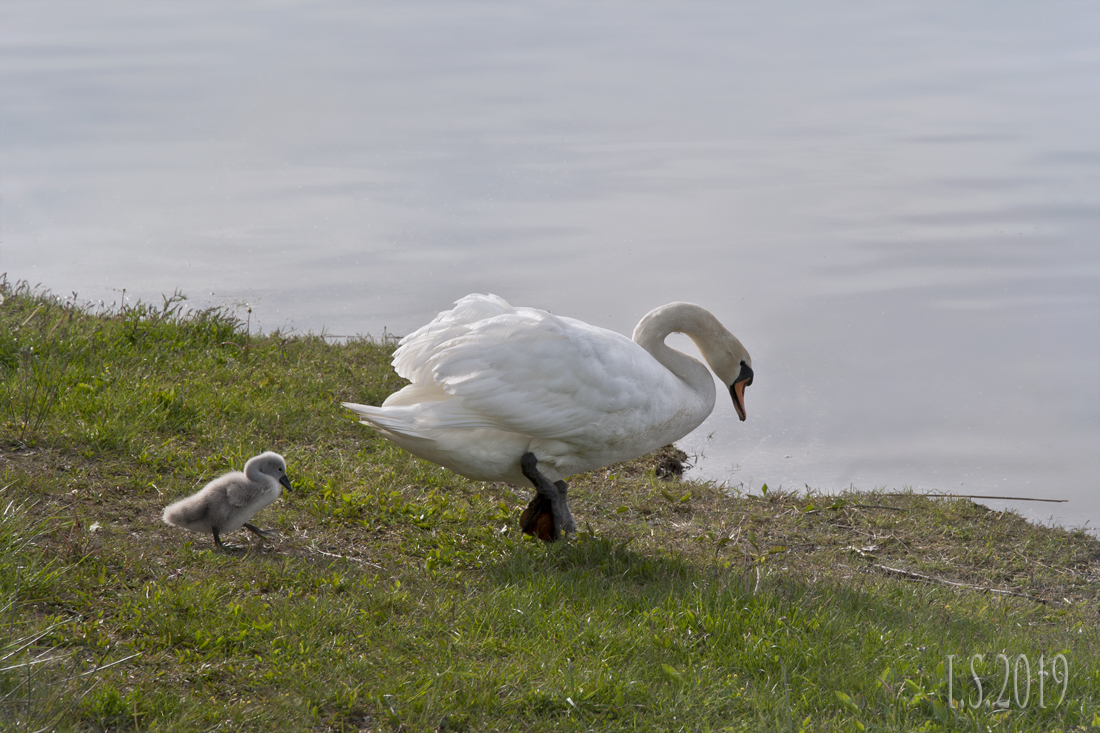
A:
(519, 395)
(228, 502)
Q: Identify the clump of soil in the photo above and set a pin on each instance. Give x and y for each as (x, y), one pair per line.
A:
(670, 463)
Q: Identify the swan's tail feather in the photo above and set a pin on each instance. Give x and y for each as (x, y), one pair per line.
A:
(383, 418)
(416, 420)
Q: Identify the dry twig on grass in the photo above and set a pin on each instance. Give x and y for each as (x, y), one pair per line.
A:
(931, 579)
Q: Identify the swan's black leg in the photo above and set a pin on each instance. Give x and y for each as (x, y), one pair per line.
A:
(259, 532)
(570, 526)
(551, 492)
(218, 540)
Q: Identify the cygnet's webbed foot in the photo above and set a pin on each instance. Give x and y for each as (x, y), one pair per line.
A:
(548, 513)
(265, 533)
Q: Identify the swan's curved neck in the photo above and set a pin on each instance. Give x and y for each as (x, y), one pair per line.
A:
(691, 320)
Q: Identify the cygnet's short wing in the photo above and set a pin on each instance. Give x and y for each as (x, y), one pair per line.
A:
(526, 371)
(239, 489)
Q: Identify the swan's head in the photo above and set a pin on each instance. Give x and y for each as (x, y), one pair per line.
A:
(269, 463)
(725, 354)
(733, 365)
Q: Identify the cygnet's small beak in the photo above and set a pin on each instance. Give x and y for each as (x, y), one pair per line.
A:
(737, 390)
(286, 482)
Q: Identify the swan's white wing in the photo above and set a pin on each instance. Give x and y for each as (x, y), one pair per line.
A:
(526, 371)
(411, 360)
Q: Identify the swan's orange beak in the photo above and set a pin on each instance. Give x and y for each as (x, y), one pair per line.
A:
(737, 390)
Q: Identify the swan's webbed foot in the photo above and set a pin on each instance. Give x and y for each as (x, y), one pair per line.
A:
(538, 519)
(548, 513)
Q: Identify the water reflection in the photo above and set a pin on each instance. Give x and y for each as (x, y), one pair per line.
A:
(896, 206)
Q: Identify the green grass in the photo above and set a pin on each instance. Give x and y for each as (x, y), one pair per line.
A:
(403, 597)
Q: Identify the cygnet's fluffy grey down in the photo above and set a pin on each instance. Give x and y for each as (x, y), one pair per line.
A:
(228, 502)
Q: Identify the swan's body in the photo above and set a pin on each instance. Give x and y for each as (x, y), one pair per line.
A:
(228, 502)
(492, 384)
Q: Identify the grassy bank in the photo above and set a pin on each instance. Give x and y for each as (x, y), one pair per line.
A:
(402, 597)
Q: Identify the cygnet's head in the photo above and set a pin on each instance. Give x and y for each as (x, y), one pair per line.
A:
(271, 464)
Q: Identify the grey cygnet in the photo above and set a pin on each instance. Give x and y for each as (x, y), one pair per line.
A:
(228, 502)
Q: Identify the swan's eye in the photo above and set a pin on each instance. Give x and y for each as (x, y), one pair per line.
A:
(746, 374)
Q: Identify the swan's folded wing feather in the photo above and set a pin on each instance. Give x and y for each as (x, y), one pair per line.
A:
(410, 360)
(533, 373)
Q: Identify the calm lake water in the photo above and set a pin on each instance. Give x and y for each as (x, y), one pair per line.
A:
(896, 206)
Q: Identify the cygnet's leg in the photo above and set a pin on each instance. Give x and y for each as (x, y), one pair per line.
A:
(260, 532)
(221, 545)
(552, 492)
